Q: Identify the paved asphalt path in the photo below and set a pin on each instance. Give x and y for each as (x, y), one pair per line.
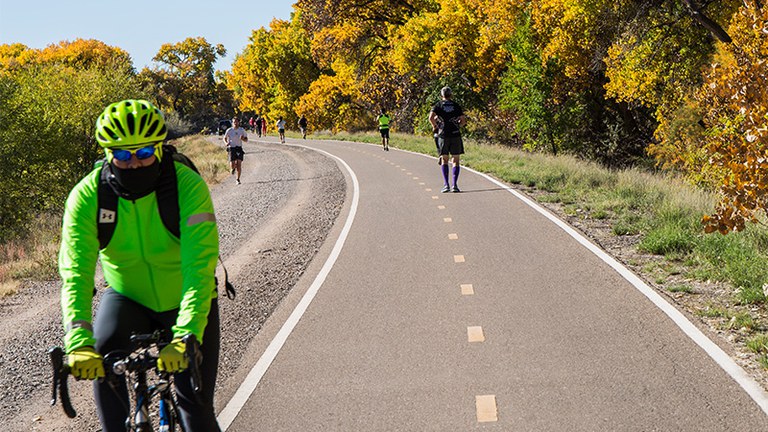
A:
(472, 311)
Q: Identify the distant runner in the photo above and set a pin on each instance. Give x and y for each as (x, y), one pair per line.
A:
(384, 121)
(303, 126)
(449, 137)
(281, 129)
(234, 137)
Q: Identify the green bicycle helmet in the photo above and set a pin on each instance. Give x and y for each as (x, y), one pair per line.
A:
(130, 123)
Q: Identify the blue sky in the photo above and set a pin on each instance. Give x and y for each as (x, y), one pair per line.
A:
(139, 27)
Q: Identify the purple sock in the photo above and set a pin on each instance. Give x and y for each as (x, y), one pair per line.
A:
(444, 167)
(455, 174)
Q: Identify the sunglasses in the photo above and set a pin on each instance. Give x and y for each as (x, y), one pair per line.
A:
(141, 153)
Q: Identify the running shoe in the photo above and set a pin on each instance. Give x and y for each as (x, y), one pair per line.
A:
(238, 181)
(445, 189)
(455, 189)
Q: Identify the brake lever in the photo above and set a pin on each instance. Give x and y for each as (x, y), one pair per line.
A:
(194, 356)
(60, 375)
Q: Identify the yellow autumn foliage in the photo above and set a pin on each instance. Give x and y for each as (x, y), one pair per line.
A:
(735, 98)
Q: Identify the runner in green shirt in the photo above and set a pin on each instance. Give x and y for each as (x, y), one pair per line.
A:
(384, 121)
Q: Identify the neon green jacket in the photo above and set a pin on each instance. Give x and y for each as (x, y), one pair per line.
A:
(384, 120)
(143, 261)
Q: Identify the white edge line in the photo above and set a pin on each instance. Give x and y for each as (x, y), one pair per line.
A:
(233, 407)
(753, 389)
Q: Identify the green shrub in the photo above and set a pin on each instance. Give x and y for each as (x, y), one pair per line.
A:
(54, 109)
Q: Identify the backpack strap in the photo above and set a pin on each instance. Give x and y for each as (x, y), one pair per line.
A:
(107, 208)
(167, 191)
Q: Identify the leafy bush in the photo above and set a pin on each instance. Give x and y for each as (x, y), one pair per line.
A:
(47, 131)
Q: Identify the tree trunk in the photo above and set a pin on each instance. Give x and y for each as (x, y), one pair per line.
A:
(713, 27)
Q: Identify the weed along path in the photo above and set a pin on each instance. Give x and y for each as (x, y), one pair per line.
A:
(425, 311)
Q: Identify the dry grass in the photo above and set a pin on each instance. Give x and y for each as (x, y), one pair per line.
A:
(31, 258)
(209, 159)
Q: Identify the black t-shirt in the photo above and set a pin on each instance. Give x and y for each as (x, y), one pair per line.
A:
(303, 122)
(449, 111)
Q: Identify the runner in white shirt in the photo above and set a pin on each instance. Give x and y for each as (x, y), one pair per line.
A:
(281, 129)
(234, 137)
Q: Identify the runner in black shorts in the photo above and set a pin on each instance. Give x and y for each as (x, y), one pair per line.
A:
(384, 121)
(449, 142)
(234, 138)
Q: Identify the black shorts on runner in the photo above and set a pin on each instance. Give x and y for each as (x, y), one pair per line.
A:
(384, 133)
(450, 146)
(236, 153)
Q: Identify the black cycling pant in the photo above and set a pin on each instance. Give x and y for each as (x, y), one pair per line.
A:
(116, 319)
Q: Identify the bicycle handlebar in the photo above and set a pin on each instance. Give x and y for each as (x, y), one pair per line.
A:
(119, 362)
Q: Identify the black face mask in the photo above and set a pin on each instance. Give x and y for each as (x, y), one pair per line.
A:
(137, 182)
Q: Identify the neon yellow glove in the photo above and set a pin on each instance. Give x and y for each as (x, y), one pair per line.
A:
(86, 363)
(173, 357)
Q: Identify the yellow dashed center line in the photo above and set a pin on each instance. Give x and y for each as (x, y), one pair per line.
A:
(458, 258)
(453, 236)
(486, 408)
(475, 334)
(428, 189)
(447, 220)
(441, 207)
(435, 197)
(467, 289)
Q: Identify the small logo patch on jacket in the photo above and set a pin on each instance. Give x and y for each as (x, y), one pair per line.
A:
(106, 216)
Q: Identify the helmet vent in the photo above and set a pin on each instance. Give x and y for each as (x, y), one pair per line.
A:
(118, 125)
(151, 129)
(131, 120)
(111, 133)
(142, 122)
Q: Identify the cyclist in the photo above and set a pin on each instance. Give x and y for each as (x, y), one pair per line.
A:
(280, 124)
(384, 120)
(155, 280)
(303, 126)
(450, 114)
(234, 137)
